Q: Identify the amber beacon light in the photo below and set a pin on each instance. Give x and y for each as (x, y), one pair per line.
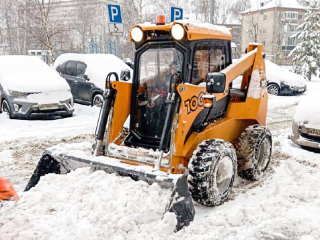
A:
(161, 19)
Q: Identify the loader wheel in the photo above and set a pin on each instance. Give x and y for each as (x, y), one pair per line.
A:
(254, 152)
(212, 169)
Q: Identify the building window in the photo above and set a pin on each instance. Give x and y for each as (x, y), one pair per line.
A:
(292, 27)
(264, 30)
(291, 41)
(263, 43)
(291, 15)
(300, 17)
(264, 17)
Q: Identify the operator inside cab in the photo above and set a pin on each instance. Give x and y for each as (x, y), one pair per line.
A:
(157, 68)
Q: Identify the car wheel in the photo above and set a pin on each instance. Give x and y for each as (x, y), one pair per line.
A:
(97, 100)
(273, 89)
(6, 108)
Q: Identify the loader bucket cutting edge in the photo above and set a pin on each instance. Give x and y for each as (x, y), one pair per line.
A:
(180, 201)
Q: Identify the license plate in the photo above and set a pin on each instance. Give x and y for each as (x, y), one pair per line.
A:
(314, 132)
(301, 90)
(48, 106)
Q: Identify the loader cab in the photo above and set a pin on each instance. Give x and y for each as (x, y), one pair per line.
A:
(160, 54)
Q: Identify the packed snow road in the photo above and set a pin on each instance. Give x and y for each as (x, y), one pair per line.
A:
(285, 204)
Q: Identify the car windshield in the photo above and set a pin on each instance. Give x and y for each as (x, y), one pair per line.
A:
(157, 66)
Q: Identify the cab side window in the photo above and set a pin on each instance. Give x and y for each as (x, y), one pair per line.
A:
(71, 68)
(208, 57)
(81, 69)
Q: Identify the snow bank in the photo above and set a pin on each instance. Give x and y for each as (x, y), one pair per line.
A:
(308, 111)
(29, 74)
(98, 65)
(86, 205)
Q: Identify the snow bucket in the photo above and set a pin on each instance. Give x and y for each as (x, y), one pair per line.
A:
(180, 201)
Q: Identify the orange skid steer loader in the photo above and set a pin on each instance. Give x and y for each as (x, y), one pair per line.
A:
(189, 122)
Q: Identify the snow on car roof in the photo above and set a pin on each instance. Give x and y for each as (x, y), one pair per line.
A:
(29, 74)
(308, 111)
(275, 73)
(98, 65)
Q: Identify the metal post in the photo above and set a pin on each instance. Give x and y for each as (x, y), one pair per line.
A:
(212, 11)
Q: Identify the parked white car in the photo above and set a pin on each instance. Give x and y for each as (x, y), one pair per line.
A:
(30, 89)
(87, 73)
(306, 122)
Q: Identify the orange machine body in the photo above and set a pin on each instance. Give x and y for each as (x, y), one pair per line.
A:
(240, 113)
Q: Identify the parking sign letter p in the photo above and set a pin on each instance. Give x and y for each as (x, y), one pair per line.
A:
(177, 14)
(114, 12)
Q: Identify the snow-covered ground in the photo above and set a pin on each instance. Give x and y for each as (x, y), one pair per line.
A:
(285, 204)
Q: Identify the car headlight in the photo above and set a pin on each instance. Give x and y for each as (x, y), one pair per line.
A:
(17, 94)
(285, 82)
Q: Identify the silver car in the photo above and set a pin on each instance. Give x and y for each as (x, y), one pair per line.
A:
(30, 89)
(306, 123)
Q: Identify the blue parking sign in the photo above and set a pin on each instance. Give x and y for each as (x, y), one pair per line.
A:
(114, 13)
(176, 14)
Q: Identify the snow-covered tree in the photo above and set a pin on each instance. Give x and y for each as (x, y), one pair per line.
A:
(306, 54)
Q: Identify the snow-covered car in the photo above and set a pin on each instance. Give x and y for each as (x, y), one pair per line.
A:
(29, 88)
(306, 122)
(283, 82)
(86, 74)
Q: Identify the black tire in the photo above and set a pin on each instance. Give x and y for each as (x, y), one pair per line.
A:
(254, 151)
(5, 107)
(97, 100)
(273, 89)
(212, 169)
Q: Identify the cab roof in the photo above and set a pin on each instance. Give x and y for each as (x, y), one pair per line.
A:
(195, 30)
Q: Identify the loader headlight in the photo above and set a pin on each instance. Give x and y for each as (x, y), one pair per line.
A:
(136, 34)
(177, 32)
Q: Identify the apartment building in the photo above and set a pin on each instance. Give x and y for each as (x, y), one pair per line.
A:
(273, 24)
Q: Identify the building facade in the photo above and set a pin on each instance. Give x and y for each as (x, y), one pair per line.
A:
(273, 24)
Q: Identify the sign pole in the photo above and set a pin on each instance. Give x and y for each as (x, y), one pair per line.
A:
(212, 11)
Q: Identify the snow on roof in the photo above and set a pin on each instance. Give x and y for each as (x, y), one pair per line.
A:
(277, 3)
(195, 23)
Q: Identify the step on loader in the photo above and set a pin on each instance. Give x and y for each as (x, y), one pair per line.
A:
(190, 123)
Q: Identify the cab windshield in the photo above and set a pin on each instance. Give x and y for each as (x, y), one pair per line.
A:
(156, 68)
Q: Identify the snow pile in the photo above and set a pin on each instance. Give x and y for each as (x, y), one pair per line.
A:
(98, 66)
(308, 111)
(86, 205)
(286, 206)
(29, 74)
